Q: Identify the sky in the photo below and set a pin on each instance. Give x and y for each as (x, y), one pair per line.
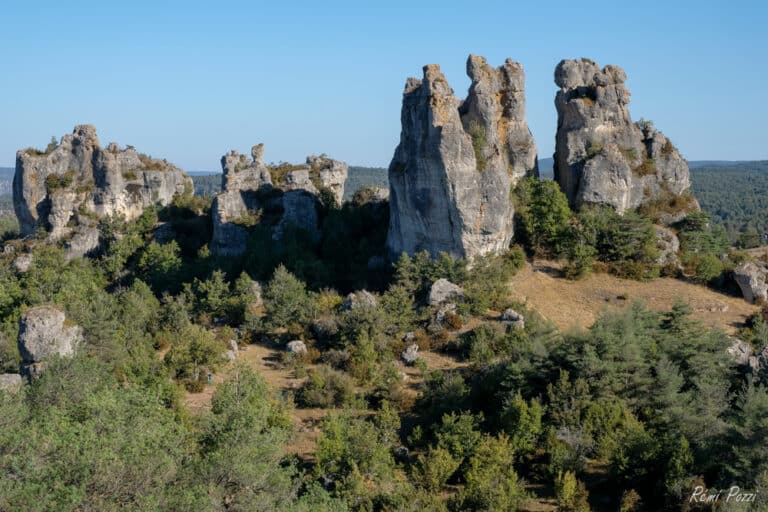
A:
(188, 81)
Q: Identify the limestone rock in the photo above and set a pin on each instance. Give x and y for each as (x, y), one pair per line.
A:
(448, 308)
(451, 174)
(10, 381)
(332, 175)
(363, 298)
(287, 196)
(411, 354)
(44, 332)
(751, 278)
(742, 353)
(22, 262)
(601, 156)
(513, 318)
(75, 182)
(296, 347)
(668, 245)
(443, 290)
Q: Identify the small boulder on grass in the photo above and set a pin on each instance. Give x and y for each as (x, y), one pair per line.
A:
(411, 354)
(513, 318)
(296, 347)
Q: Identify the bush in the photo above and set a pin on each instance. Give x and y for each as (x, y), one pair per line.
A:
(326, 388)
(286, 300)
(193, 355)
(544, 214)
(433, 470)
(571, 493)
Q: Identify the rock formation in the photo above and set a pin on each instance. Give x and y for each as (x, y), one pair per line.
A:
(68, 187)
(285, 196)
(44, 332)
(451, 174)
(601, 156)
(751, 278)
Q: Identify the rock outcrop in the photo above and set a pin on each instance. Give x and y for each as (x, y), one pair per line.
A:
(68, 187)
(443, 291)
(45, 332)
(751, 278)
(451, 174)
(285, 196)
(601, 156)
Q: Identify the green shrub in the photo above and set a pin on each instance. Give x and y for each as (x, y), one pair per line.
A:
(326, 388)
(433, 470)
(477, 133)
(571, 493)
(285, 299)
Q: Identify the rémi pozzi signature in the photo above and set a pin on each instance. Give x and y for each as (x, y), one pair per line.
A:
(701, 494)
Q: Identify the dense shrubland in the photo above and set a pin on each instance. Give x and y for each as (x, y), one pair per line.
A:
(637, 409)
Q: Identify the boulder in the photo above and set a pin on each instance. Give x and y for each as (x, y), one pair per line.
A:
(230, 355)
(44, 332)
(751, 278)
(411, 354)
(452, 172)
(742, 353)
(10, 381)
(668, 245)
(362, 298)
(601, 156)
(22, 262)
(513, 318)
(69, 186)
(296, 347)
(443, 290)
(448, 308)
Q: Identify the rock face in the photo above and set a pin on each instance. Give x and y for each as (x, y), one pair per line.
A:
(451, 174)
(668, 245)
(601, 156)
(72, 184)
(43, 332)
(751, 278)
(251, 195)
(10, 381)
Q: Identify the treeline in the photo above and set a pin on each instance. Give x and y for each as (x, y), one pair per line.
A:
(736, 196)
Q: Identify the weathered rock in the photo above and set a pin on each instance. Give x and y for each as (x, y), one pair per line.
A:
(229, 355)
(448, 308)
(296, 347)
(85, 241)
(44, 332)
(513, 318)
(22, 262)
(332, 175)
(286, 196)
(451, 174)
(742, 353)
(72, 184)
(10, 381)
(362, 298)
(443, 290)
(411, 354)
(751, 278)
(601, 157)
(668, 245)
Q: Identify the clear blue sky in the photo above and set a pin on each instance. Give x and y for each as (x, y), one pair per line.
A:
(188, 81)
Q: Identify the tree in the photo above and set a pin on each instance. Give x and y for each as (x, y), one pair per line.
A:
(545, 214)
(286, 299)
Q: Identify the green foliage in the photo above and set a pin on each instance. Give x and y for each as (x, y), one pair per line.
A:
(55, 182)
(571, 493)
(487, 286)
(194, 353)
(544, 215)
(491, 481)
(286, 299)
(477, 133)
(326, 388)
(160, 265)
(433, 470)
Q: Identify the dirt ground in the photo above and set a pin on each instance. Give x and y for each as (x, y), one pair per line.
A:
(576, 304)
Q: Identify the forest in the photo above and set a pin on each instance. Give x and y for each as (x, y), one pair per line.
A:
(629, 415)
